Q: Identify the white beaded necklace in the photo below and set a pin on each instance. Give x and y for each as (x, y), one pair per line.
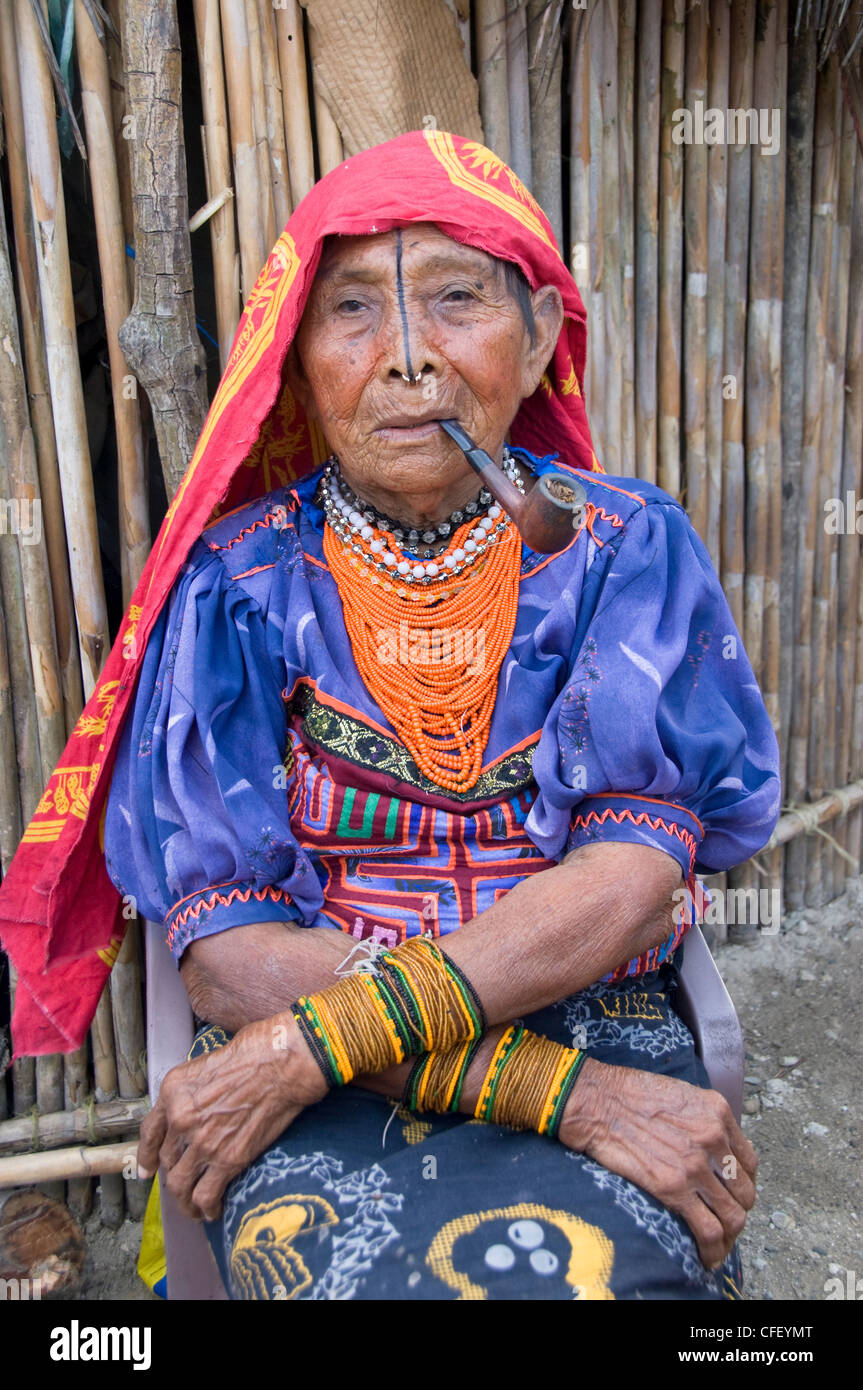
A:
(384, 548)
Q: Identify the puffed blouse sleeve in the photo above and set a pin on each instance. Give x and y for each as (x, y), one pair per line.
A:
(197, 829)
(660, 735)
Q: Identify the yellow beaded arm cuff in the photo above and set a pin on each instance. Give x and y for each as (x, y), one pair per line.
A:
(415, 1000)
(526, 1086)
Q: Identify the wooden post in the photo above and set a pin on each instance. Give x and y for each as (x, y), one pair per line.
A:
(21, 488)
(823, 769)
(10, 806)
(275, 141)
(544, 69)
(517, 90)
(14, 432)
(670, 249)
(762, 369)
(159, 338)
(850, 705)
(695, 161)
(800, 859)
(238, 73)
(23, 1069)
(130, 1039)
(116, 300)
(11, 826)
(626, 102)
(612, 272)
(736, 265)
(491, 75)
(38, 387)
(798, 226)
(112, 1200)
(218, 167)
(736, 271)
(717, 180)
(578, 61)
(79, 1195)
(295, 99)
(773, 577)
(266, 211)
(86, 1123)
(46, 1168)
(58, 315)
(121, 143)
(646, 238)
(597, 352)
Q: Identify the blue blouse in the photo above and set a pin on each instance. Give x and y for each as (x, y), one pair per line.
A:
(257, 779)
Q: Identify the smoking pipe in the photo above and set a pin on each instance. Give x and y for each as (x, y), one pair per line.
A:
(546, 516)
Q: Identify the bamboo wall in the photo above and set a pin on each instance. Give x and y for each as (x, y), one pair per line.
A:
(725, 295)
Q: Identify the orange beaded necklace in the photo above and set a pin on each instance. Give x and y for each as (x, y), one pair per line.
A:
(429, 646)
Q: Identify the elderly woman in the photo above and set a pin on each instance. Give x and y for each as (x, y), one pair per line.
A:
(418, 805)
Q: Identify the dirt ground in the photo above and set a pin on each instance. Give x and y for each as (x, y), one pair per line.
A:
(798, 998)
(797, 994)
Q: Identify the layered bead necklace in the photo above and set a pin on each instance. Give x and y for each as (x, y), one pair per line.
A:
(428, 636)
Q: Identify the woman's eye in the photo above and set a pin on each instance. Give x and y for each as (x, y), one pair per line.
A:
(457, 296)
(350, 306)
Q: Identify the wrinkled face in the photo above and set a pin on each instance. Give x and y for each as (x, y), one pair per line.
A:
(397, 305)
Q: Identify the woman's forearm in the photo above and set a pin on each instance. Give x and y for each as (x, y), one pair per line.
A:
(559, 931)
(255, 972)
(555, 933)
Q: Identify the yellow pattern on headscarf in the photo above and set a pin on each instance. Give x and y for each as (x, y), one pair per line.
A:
(519, 204)
(254, 337)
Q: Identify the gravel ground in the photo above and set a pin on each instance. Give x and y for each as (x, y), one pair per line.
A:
(110, 1267)
(797, 996)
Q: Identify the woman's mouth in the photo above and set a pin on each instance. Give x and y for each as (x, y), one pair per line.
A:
(401, 429)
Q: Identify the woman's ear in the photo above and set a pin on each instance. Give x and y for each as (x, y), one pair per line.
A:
(298, 383)
(548, 316)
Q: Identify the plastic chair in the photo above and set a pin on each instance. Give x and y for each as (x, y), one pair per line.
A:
(192, 1271)
(707, 1009)
(702, 1001)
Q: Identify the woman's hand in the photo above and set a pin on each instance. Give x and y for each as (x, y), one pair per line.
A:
(677, 1141)
(215, 1114)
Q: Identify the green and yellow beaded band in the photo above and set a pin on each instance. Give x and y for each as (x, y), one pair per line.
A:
(416, 1001)
(501, 1055)
(528, 1082)
(437, 1079)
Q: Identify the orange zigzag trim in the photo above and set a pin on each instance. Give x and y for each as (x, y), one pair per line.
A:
(278, 513)
(224, 900)
(592, 511)
(655, 823)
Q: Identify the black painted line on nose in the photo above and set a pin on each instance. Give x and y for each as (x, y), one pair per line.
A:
(402, 309)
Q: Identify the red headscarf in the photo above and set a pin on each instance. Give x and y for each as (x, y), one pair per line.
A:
(61, 919)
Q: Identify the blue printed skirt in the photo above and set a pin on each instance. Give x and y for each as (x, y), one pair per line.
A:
(361, 1199)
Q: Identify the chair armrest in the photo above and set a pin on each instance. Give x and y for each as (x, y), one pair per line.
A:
(170, 1024)
(706, 1008)
(192, 1270)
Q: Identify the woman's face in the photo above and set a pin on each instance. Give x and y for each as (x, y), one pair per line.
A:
(399, 304)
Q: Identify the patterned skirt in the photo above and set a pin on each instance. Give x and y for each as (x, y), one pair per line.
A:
(361, 1199)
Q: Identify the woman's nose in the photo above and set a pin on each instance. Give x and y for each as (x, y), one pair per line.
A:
(408, 354)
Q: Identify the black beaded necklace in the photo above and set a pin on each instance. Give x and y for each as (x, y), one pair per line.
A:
(412, 538)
